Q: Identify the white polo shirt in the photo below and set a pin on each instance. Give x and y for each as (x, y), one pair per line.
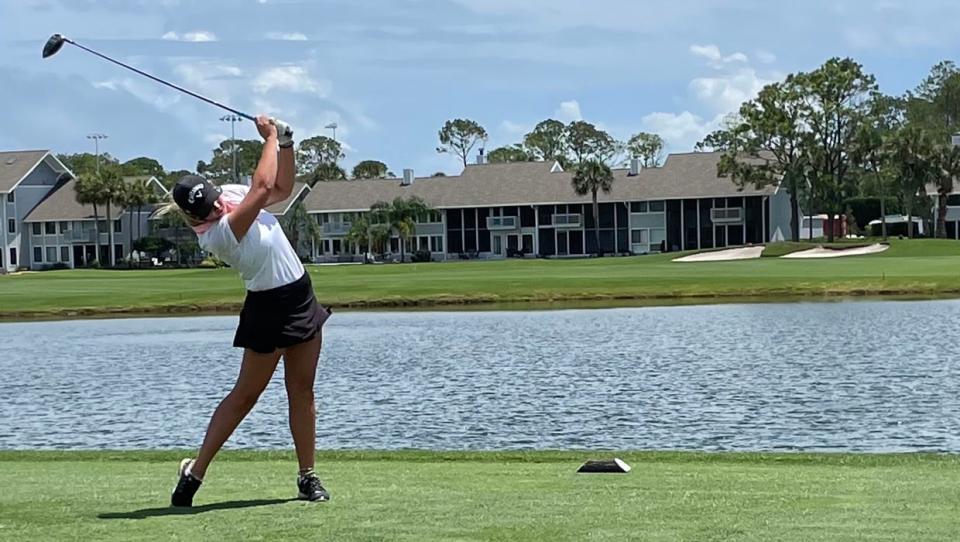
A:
(263, 257)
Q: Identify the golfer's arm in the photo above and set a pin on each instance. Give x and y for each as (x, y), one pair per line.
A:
(286, 171)
(261, 189)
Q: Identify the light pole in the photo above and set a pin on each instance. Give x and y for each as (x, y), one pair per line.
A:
(233, 119)
(332, 126)
(96, 145)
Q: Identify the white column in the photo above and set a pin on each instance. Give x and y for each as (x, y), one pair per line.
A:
(743, 206)
(699, 241)
(536, 229)
(683, 229)
(763, 213)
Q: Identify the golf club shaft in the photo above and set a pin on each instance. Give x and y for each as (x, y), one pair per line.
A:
(157, 79)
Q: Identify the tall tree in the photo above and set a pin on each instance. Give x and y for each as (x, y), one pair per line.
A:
(548, 142)
(324, 172)
(135, 195)
(586, 142)
(220, 168)
(649, 148)
(170, 178)
(300, 227)
(837, 103)
(111, 186)
(886, 116)
(318, 152)
(459, 137)
(88, 191)
(401, 217)
(763, 144)
(591, 177)
(945, 172)
(910, 150)
(142, 166)
(85, 162)
(513, 153)
(935, 103)
(370, 169)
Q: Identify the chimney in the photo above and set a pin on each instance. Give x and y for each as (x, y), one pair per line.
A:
(407, 177)
(634, 167)
(956, 139)
(481, 158)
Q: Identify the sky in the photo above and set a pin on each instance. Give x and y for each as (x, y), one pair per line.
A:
(391, 72)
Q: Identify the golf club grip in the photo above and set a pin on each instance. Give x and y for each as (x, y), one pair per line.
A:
(171, 85)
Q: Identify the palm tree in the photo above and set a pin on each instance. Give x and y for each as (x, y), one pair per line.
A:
(135, 195)
(911, 152)
(359, 234)
(88, 192)
(948, 169)
(400, 217)
(591, 177)
(298, 225)
(111, 191)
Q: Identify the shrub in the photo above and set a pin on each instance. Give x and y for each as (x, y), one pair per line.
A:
(421, 256)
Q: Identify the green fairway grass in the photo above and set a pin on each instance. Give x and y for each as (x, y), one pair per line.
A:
(420, 496)
(918, 267)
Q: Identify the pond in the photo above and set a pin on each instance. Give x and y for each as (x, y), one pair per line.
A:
(851, 376)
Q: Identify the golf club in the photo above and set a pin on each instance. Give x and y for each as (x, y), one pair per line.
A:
(56, 41)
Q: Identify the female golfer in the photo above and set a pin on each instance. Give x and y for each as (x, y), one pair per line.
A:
(280, 316)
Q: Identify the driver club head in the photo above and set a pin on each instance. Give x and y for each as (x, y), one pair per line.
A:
(53, 45)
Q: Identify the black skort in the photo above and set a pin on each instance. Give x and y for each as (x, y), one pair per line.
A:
(280, 318)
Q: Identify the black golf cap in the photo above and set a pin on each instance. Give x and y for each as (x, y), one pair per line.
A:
(196, 196)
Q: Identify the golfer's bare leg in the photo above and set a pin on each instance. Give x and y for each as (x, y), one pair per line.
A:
(255, 373)
(300, 371)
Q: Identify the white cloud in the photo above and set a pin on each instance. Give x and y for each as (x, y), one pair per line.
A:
(159, 97)
(198, 36)
(293, 36)
(717, 60)
(569, 111)
(514, 128)
(290, 79)
(725, 92)
(681, 130)
(766, 57)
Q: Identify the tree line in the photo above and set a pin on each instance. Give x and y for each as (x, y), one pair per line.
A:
(831, 137)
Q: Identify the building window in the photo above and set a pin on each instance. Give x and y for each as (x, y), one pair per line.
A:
(638, 207)
(37, 254)
(65, 254)
(36, 228)
(656, 206)
(436, 243)
(726, 215)
(64, 226)
(12, 227)
(50, 228)
(10, 198)
(640, 237)
(13, 256)
(432, 217)
(117, 252)
(51, 254)
(117, 226)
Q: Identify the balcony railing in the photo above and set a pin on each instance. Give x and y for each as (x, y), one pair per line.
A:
(500, 223)
(568, 221)
(80, 236)
(731, 215)
(337, 228)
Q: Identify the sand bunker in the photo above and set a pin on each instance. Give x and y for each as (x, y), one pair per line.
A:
(746, 253)
(821, 252)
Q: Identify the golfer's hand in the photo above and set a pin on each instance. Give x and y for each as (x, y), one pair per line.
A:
(266, 128)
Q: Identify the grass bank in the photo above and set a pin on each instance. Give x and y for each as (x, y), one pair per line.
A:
(916, 268)
(520, 496)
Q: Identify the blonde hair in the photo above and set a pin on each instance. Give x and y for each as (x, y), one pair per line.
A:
(171, 206)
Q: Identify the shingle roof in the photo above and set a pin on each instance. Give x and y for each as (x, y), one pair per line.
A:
(280, 207)
(61, 204)
(15, 165)
(682, 176)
